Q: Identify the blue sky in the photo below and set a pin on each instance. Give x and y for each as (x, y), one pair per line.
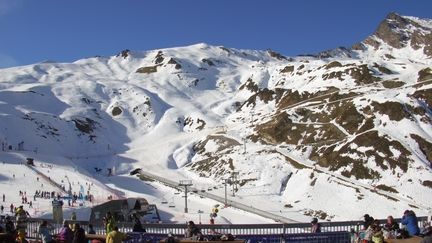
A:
(64, 31)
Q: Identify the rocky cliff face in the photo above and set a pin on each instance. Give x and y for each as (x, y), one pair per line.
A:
(398, 32)
(354, 112)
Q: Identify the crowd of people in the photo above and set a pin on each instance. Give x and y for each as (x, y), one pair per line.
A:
(45, 194)
(374, 232)
(67, 234)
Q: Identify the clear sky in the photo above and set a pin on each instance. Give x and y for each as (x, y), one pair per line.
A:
(64, 31)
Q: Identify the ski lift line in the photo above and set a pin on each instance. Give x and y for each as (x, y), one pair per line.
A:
(57, 185)
(365, 186)
(232, 203)
(114, 192)
(94, 156)
(45, 178)
(94, 181)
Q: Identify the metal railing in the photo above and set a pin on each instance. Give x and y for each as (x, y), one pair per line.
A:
(209, 229)
(325, 237)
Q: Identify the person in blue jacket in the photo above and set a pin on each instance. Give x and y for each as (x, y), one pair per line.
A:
(409, 219)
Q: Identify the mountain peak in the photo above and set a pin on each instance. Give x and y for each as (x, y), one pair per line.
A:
(400, 31)
(393, 16)
(392, 30)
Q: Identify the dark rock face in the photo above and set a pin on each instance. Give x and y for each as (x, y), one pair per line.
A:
(287, 69)
(249, 85)
(85, 126)
(425, 74)
(360, 73)
(424, 95)
(173, 61)
(116, 111)
(283, 130)
(425, 147)
(151, 69)
(124, 53)
(159, 58)
(381, 155)
(208, 62)
(276, 55)
(418, 40)
(398, 32)
(214, 163)
(391, 30)
(340, 51)
(395, 110)
(333, 64)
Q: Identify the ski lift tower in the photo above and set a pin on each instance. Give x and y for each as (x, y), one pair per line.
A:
(226, 180)
(234, 176)
(185, 183)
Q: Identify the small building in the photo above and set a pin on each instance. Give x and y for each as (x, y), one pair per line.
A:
(123, 209)
(30, 161)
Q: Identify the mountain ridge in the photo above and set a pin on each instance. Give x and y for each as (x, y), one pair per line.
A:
(286, 124)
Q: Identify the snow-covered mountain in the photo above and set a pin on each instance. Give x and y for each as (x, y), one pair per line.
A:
(334, 135)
